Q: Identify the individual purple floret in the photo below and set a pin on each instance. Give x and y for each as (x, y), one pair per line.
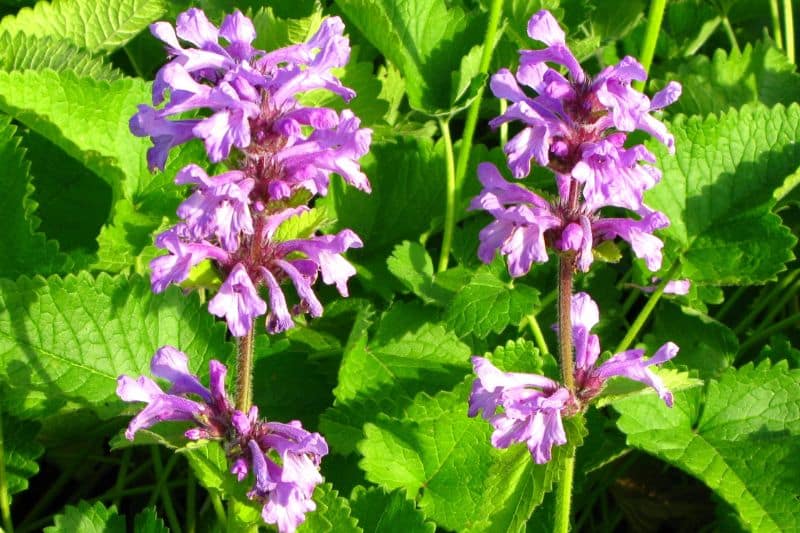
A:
(283, 458)
(631, 364)
(576, 126)
(280, 151)
(531, 408)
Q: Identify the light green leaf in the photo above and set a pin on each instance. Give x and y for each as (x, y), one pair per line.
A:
(522, 355)
(411, 264)
(94, 26)
(425, 39)
(128, 240)
(741, 438)
(409, 353)
(379, 511)
(26, 52)
(304, 225)
(88, 119)
(65, 341)
(618, 388)
(488, 304)
(274, 32)
(759, 73)
(20, 452)
(86, 518)
(332, 513)
(718, 192)
(148, 521)
(27, 252)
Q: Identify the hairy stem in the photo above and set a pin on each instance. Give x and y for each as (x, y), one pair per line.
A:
(450, 207)
(566, 268)
(654, 18)
(564, 496)
(644, 314)
(244, 372)
(788, 24)
(5, 501)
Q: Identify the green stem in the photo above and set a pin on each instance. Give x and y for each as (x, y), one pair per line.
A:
(730, 302)
(776, 23)
(504, 125)
(548, 299)
(779, 306)
(244, 372)
(644, 314)
(219, 510)
(629, 301)
(537, 333)
(564, 496)
(788, 24)
(123, 471)
(5, 499)
(766, 333)
(726, 25)
(191, 502)
(166, 499)
(450, 207)
(764, 300)
(654, 18)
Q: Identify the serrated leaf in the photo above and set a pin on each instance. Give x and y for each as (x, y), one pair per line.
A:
(390, 214)
(27, 252)
(619, 388)
(86, 518)
(409, 353)
(741, 438)
(20, 452)
(379, 511)
(426, 48)
(304, 225)
(148, 521)
(88, 119)
(488, 304)
(128, 240)
(274, 31)
(516, 485)
(707, 345)
(65, 341)
(90, 25)
(332, 513)
(436, 454)
(411, 264)
(759, 73)
(522, 355)
(26, 52)
(718, 192)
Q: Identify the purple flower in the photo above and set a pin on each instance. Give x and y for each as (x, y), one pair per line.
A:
(237, 301)
(284, 458)
(210, 412)
(576, 126)
(175, 266)
(531, 408)
(631, 364)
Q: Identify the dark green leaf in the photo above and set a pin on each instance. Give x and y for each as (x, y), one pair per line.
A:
(86, 518)
(378, 511)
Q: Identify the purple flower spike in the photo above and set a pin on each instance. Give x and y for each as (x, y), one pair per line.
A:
(173, 365)
(238, 302)
(630, 364)
(531, 408)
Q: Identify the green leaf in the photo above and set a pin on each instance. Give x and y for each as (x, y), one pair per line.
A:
(20, 452)
(759, 73)
(86, 518)
(65, 341)
(27, 252)
(488, 304)
(88, 119)
(148, 521)
(411, 264)
(618, 388)
(332, 513)
(210, 465)
(390, 214)
(426, 49)
(304, 225)
(741, 438)
(707, 345)
(522, 355)
(409, 353)
(26, 52)
(90, 25)
(516, 485)
(128, 240)
(274, 31)
(379, 511)
(436, 454)
(718, 193)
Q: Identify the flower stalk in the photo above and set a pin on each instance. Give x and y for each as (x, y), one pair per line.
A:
(654, 18)
(566, 269)
(450, 196)
(564, 496)
(244, 371)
